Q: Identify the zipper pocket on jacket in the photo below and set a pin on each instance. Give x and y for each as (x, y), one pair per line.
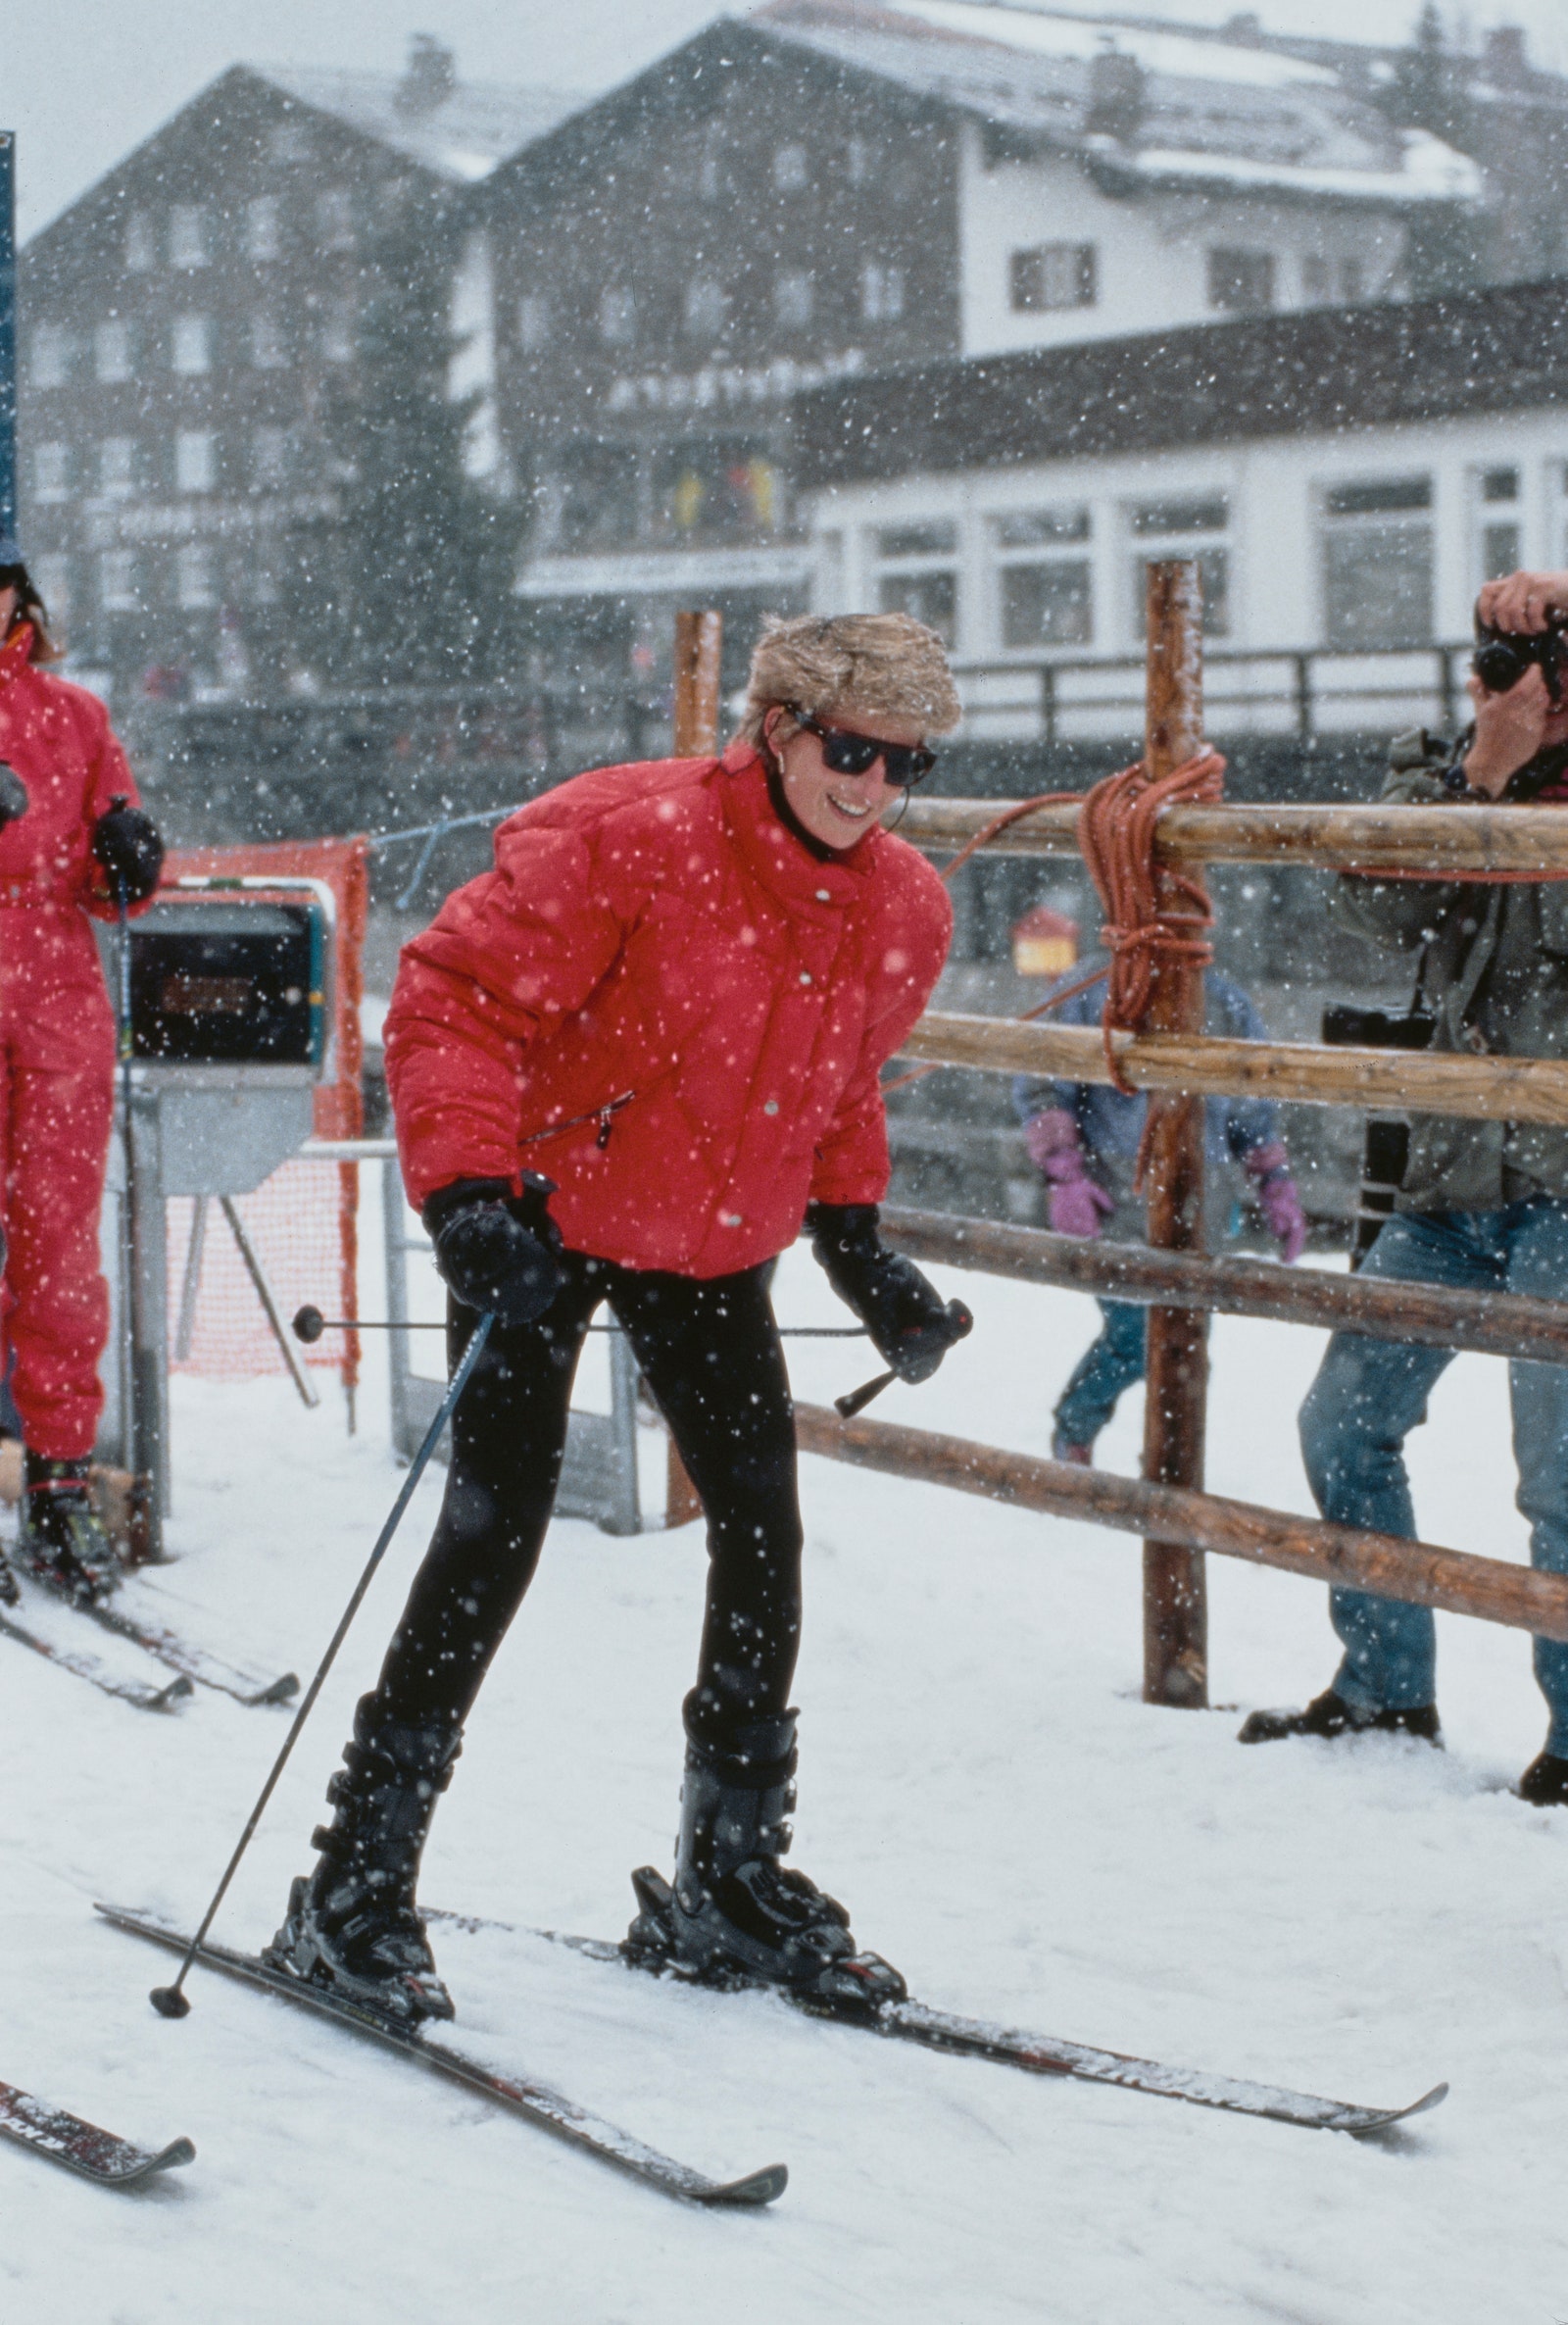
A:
(604, 1115)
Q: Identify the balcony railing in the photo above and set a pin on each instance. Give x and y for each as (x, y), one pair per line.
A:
(1306, 693)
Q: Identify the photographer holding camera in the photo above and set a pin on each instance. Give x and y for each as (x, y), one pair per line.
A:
(1483, 1205)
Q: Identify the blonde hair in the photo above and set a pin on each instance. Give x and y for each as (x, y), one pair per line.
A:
(885, 666)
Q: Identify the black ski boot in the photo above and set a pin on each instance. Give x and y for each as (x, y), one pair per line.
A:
(1329, 1714)
(9, 1588)
(61, 1540)
(352, 1924)
(1544, 1783)
(735, 1916)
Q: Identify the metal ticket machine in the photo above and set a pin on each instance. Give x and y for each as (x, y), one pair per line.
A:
(224, 1000)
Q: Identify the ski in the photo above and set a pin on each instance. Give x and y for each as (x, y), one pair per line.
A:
(168, 1649)
(81, 2146)
(535, 2103)
(88, 1667)
(1005, 2046)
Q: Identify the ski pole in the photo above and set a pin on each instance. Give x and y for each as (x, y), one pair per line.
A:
(170, 2001)
(309, 1325)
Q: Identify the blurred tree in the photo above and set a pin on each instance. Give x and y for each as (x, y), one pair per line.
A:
(424, 559)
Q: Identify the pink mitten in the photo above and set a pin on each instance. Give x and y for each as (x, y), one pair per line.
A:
(1076, 1203)
(1278, 1200)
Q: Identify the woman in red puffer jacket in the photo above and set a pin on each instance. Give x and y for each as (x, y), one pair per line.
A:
(73, 843)
(674, 994)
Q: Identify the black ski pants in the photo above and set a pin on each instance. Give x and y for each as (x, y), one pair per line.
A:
(710, 1354)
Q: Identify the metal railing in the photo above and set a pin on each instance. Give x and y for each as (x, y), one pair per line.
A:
(1305, 693)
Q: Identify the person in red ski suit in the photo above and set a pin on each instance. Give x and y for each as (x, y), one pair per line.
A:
(72, 842)
(675, 992)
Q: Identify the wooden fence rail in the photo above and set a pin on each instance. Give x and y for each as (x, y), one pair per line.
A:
(1449, 1580)
(1492, 1324)
(1445, 841)
(1417, 1081)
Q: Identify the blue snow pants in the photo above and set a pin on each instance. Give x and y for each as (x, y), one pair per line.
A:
(1108, 1366)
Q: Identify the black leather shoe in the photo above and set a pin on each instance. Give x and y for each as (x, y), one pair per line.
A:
(1329, 1715)
(1544, 1783)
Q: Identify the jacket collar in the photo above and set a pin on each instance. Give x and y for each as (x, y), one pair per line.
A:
(786, 867)
(13, 655)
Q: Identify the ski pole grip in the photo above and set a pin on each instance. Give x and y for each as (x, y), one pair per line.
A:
(859, 1399)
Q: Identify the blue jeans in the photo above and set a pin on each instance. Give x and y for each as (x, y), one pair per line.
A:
(1370, 1394)
(1111, 1365)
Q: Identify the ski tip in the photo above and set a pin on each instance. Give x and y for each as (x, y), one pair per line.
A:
(756, 2190)
(281, 1691)
(1394, 2115)
(174, 1693)
(177, 2151)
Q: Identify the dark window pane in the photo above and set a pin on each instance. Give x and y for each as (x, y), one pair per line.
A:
(715, 488)
(598, 496)
(1050, 605)
(1377, 586)
(1499, 484)
(936, 538)
(932, 598)
(1241, 281)
(1500, 551)
(1031, 529)
(1210, 515)
(1379, 496)
(1055, 275)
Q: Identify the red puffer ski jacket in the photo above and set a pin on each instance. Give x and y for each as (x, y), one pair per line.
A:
(663, 1001)
(57, 738)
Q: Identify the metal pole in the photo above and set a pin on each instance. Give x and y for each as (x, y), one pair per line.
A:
(1175, 1611)
(8, 332)
(698, 650)
(309, 1396)
(190, 1290)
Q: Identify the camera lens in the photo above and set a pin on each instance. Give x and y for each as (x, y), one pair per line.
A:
(1500, 664)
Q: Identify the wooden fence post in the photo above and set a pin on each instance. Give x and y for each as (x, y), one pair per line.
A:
(1175, 1608)
(698, 644)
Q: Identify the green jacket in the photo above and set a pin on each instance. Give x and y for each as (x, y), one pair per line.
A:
(1493, 960)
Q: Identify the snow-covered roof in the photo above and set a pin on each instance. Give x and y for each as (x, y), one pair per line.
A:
(462, 137)
(1209, 114)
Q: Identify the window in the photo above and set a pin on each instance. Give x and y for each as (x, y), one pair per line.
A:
(598, 488)
(1054, 276)
(915, 576)
(1500, 541)
(1323, 280)
(337, 331)
(110, 347)
(1044, 602)
(791, 174)
(54, 350)
(1378, 562)
(334, 219)
(269, 349)
(193, 578)
(618, 317)
(269, 450)
(706, 308)
(263, 229)
(1352, 281)
(118, 585)
(116, 467)
(533, 323)
(195, 459)
(794, 297)
(881, 293)
(51, 577)
(1241, 281)
(715, 488)
(1315, 280)
(192, 345)
(1182, 527)
(51, 473)
(187, 235)
(141, 254)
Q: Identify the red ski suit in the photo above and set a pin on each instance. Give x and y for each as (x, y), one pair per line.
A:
(57, 1050)
(663, 1001)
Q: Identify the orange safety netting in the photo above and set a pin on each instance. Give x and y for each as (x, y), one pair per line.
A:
(303, 1223)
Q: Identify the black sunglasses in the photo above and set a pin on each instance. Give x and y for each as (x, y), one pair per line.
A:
(903, 763)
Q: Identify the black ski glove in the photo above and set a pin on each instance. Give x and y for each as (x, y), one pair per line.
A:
(13, 794)
(127, 844)
(494, 1250)
(910, 1322)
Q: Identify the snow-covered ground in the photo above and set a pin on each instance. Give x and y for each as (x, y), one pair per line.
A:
(980, 1783)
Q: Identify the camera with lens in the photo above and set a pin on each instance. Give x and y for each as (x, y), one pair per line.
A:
(1503, 656)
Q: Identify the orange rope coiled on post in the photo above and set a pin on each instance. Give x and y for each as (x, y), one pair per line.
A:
(1116, 830)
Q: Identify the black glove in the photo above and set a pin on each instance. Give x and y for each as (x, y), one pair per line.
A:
(908, 1320)
(13, 794)
(494, 1250)
(127, 844)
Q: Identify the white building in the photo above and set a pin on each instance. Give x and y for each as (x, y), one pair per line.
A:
(1347, 483)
